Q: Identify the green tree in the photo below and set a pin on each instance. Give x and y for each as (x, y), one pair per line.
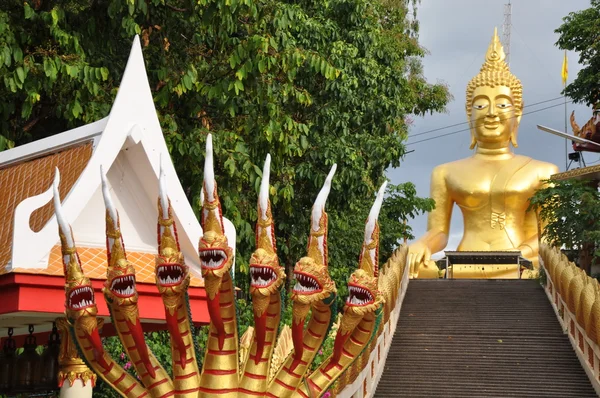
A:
(569, 211)
(312, 82)
(579, 32)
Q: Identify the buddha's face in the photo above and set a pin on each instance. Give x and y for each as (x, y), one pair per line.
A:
(494, 120)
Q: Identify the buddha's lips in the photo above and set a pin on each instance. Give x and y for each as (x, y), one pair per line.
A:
(80, 298)
(169, 274)
(306, 284)
(123, 286)
(261, 276)
(359, 296)
(212, 259)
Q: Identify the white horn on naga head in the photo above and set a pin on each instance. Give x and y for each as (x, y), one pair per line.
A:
(108, 202)
(162, 190)
(369, 256)
(317, 240)
(63, 225)
(212, 219)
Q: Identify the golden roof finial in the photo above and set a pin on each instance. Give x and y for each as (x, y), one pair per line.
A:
(317, 240)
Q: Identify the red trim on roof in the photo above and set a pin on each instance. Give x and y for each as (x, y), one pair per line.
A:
(44, 293)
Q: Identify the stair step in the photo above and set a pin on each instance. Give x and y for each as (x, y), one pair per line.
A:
(480, 338)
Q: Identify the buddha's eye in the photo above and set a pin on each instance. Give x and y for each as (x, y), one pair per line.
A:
(504, 106)
(479, 106)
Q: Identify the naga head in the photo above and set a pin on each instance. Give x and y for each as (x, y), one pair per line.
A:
(80, 304)
(363, 294)
(216, 257)
(79, 293)
(171, 272)
(313, 283)
(120, 274)
(266, 275)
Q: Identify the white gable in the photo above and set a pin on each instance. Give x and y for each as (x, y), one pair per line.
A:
(129, 148)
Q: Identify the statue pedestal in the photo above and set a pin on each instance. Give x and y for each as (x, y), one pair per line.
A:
(487, 265)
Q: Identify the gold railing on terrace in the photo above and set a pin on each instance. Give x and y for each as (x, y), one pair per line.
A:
(360, 381)
(575, 298)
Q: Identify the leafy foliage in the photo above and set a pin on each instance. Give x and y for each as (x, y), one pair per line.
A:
(570, 213)
(579, 32)
(312, 82)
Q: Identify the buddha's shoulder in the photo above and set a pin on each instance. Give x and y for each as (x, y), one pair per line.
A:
(539, 167)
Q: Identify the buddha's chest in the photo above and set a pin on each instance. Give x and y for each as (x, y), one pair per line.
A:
(486, 186)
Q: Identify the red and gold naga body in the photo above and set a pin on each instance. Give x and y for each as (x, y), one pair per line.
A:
(262, 364)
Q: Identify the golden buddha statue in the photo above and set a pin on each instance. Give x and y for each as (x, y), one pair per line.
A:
(492, 188)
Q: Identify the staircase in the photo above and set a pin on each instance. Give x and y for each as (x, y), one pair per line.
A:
(480, 338)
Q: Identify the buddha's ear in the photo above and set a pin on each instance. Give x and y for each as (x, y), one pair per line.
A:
(473, 141)
(472, 131)
(515, 133)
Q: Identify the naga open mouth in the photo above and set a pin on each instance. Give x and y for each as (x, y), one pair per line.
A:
(261, 276)
(123, 286)
(359, 295)
(306, 284)
(170, 274)
(81, 297)
(212, 258)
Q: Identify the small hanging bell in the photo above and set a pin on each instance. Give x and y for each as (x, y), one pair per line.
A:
(28, 364)
(7, 363)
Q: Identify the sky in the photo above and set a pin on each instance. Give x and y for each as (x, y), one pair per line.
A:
(456, 35)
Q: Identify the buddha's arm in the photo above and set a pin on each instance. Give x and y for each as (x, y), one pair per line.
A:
(438, 222)
(529, 247)
(533, 224)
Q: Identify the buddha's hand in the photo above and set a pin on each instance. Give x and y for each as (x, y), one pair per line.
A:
(418, 254)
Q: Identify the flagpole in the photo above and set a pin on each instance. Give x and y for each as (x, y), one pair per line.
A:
(566, 144)
(565, 74)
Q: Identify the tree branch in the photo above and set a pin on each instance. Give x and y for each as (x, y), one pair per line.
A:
(176, 8)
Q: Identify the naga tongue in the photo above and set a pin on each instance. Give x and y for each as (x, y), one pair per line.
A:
(94, 339)
(338, 346)
(297, 339)
(138, 337)
(260, 323)
(214, 310)
(173, 327)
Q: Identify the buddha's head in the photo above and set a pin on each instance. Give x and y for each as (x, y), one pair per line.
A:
(494, 101)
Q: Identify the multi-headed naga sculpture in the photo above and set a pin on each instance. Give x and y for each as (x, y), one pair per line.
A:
(260, 364)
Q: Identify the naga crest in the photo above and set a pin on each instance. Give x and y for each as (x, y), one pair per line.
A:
(172, 274)
(80, 301)
(313, 282)
(216, 257)
(120, 274)
(266, 274)
(363, 293)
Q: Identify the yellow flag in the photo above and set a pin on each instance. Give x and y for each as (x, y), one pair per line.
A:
(565, 70)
